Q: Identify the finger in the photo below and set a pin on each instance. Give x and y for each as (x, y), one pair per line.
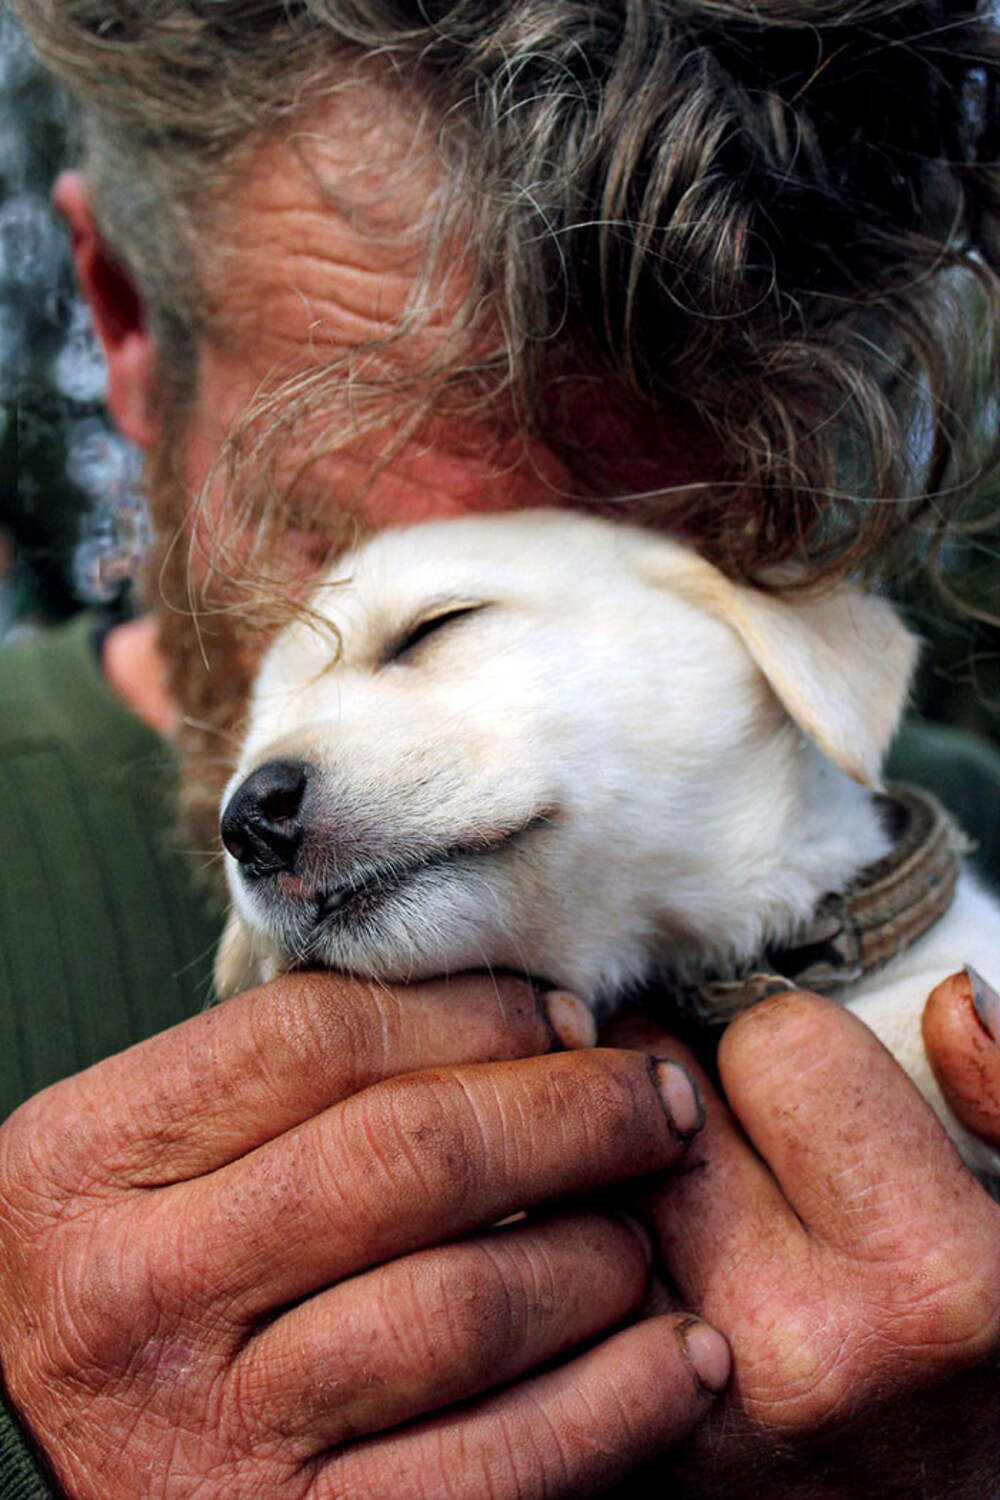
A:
(573, 1431)
(812, 1087)
(721, 1200)
(220, 1084)
(435, 1328)
(961, 1027)
(429, 1157)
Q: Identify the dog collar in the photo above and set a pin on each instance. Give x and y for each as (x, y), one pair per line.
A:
(885, 909)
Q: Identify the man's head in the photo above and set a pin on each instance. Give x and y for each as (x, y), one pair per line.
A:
(699, 214)
(375, 260)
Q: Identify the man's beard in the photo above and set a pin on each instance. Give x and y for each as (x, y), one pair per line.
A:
(216, 619)
(208, 671)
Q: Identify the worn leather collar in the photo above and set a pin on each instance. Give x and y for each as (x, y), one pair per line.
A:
(887, 908)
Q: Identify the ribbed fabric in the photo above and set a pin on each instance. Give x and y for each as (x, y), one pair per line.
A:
(21, 1477)
(106, 938)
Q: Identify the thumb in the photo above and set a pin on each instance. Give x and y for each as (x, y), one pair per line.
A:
(961, 1026)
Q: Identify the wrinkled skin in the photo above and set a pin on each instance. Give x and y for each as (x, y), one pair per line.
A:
(225, 1271)
(240, 1258)
(824, 1222)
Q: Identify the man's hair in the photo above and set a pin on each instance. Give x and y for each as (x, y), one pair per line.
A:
(776, 222)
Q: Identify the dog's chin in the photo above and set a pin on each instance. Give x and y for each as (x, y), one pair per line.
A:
(433, 917)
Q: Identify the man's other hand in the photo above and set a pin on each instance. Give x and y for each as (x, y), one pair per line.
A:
(825, 1224)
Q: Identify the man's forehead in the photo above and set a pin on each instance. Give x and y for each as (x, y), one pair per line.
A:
(321, 232)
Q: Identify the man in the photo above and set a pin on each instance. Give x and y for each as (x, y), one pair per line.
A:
(380, 265)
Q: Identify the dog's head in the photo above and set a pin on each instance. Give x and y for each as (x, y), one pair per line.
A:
(554, 744)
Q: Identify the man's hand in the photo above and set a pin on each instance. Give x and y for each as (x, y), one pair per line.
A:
(825, 1224)
(961, 1025)
(249, 1256)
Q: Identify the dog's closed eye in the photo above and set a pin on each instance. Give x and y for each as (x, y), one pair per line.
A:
(415, 634)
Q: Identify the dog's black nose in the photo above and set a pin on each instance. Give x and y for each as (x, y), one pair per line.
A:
(262, 824)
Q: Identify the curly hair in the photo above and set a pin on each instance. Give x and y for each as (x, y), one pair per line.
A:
(775, 224)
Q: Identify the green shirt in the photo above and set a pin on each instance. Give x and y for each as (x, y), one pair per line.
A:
(107, 939)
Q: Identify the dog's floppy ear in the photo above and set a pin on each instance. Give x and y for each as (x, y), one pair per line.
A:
(240, 963)
(840, 663)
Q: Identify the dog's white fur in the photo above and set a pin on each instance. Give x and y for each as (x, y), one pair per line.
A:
(621, 765)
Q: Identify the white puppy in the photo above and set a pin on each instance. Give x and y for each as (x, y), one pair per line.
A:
(574, 749)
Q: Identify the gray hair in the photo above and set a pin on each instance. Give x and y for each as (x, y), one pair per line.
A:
(778, 221)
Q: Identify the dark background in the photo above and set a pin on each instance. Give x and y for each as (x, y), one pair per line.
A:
(72, 525)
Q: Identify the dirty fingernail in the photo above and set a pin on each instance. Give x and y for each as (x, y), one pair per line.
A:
(570, 1019)
(986, 1002)
(708, 1355)
(678, 1092)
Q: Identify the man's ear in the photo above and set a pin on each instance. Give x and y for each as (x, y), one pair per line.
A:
(840, 663)
(118, 314)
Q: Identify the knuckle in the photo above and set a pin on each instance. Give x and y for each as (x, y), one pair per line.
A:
(24, 1189)
(425, 1132)
(804, 1349)
(120, 1306)
(801, 1391)
(63, 1148)
(460, 1309)
(321, 1027)
(39, 1152)
(801, 1374)
(446, 1463)
(948, 1304)
(54, 1216)
(96, 1315)
(529, 1453)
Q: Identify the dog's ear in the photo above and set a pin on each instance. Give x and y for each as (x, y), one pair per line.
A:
(240, 963)
(840, 663)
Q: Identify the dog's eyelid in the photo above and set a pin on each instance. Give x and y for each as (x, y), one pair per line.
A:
(427, 624)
